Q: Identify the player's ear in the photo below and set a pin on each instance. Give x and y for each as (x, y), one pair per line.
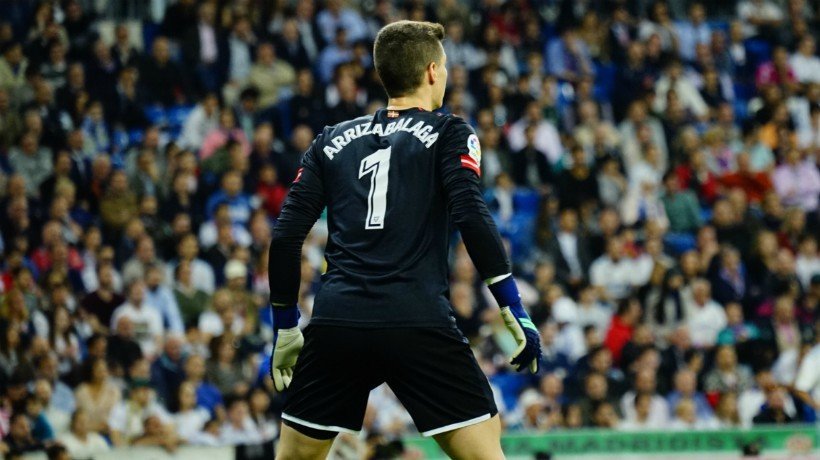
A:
(432, 69)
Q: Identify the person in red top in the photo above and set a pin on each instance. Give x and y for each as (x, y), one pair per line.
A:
(623, 325)
(696, 176)
(778, 71)
(754, 184)
(270, 190)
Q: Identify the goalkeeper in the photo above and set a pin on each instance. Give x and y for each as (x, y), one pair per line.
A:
(392, 183)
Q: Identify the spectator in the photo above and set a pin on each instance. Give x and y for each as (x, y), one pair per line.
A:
(203, 119)
(32, 161)
(166, 372)
(239, 428)
(123, 350)
(191, 300)
(797, 182)
(190, 418)
(645, 383)
(20, 440)
(81, 441)
(147, 319)
(207, 395)
(97, 395)
(623, 323)
(804, 62)
(727, 375)
(641, 422)
(161, 297)
(119, 204)
(270, 75)
(569, 251)
(693, 32)
(705, 317)
(127, 418)
(568, 57)
(680, 205)
(686, 389)
(774, 410)
(686, 418)
(737, 331)
(613, 274)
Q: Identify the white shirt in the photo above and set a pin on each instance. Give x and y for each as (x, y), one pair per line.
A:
(704, 322)
(210, 323)
(658, 409)
(753, 9)
(246, 434)
(616, 277)
(202, 274)
(547, 139)
(189, 423)
(196, 127)
(686, 91)
(207, 43)
(93, 444)
(147, 325)
(597, 315)
(808, 374)
(806, 267)
(806, 68)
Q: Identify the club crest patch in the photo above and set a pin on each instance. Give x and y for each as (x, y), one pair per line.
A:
(474, 148)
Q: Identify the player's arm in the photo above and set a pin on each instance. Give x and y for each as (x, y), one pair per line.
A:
(460, 171)
(302, 208)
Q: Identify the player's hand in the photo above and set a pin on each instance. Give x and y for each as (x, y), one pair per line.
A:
(528, 353)
(288, 343)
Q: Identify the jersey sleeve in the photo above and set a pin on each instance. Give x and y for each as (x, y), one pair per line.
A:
(459, 172)
(302, 207)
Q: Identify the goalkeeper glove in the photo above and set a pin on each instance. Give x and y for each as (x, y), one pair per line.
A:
(528, 352)
(287, 343)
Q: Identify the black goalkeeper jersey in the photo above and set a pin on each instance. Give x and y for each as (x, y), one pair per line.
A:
(392, 183)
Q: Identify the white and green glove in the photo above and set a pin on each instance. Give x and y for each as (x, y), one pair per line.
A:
(287, 343)
(527, 354)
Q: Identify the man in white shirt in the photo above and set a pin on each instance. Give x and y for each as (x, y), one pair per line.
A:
(147, 320)
(758, 13)
(673, 79)
(645, 383)
(547, 139)
(807, 383)
(704, 317)
(613, 273)
(805, 64)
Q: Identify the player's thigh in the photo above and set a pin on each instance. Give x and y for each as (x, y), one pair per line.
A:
(331, 382)
(434, 374)
(294, 445)
(480, 441)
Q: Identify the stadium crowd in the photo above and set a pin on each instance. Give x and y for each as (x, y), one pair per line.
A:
(653, 166)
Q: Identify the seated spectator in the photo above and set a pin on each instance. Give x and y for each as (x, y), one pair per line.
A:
(20, 440)
(191, 300)
(737, 331)
(54, 417)
(681, 206)
(218, 138)
(161, 77)
(614, 273)
(161, 297)
(97, 395)
(705, 317)
(773, 411)
(270, 75)
(727, 374)
(189, 418)
(729, 282)
(804, 62)
(147, 319)
(239, 204)
(797, 181)
(686, 389)
(203, 119)
(534, 413)
(777, 71)
(126, 418)
(207, 395)
(568, 56)
(31, 161)
(623, 323)
(167, 371)
(605, 416)
(686, 418)
(596, 391)
(81, 441)
(645, 383)
(224, 369)
(641, 422)
(123, 349)
(156, 432)
(118, 205)
(239, 427)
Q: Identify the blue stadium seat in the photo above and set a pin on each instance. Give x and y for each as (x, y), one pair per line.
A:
(176, 115)
(678, 243)
(510, 384)
(155, 115)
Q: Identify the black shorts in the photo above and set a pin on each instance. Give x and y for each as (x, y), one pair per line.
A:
(432, 371)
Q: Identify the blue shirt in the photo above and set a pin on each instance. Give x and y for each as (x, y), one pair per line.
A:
(163, 299)
(239, 206)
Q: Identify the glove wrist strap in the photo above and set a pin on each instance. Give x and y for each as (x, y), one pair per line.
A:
(284, 316)
(505, 292)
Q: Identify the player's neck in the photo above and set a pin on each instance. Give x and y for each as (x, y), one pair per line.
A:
(409, 102)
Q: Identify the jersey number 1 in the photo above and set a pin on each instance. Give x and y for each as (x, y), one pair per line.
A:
(377, 164)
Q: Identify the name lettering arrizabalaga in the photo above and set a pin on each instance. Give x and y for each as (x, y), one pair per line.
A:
(420, 130)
